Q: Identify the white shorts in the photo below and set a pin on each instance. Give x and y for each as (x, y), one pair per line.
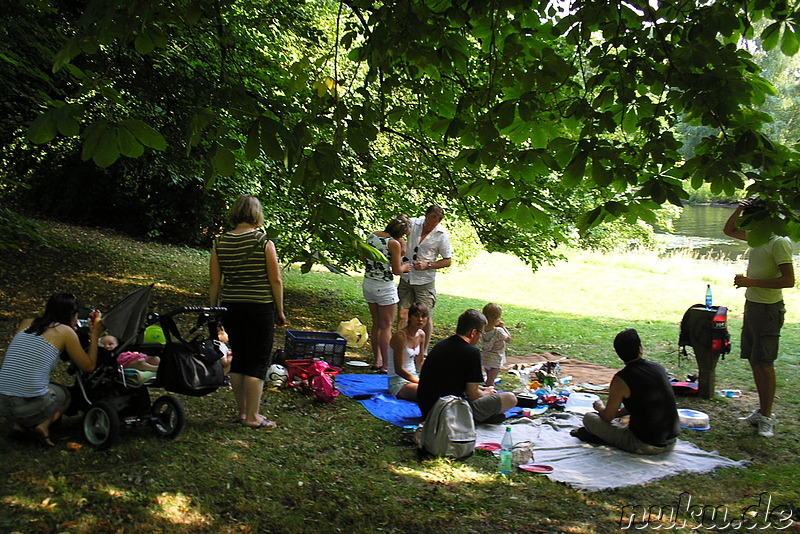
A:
(380, 292)
(396, 383)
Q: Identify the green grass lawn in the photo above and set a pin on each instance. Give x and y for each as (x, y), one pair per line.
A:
(334, 468)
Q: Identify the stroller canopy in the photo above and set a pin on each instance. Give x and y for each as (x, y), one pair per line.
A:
(126, 319)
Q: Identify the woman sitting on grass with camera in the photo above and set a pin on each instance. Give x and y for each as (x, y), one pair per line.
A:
(27, 397)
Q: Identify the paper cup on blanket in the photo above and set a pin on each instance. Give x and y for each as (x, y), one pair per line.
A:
(580, 403)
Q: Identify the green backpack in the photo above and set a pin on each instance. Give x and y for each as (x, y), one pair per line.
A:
(449, 429)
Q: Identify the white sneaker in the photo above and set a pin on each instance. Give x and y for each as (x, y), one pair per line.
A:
(752, 419)
(766, 426)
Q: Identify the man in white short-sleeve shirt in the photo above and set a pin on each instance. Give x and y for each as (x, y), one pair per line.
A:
(428, 250)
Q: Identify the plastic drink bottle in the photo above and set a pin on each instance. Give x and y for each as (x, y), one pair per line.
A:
(708, 296)
(506, 449)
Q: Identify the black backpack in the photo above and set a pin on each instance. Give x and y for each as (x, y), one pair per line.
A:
(705, 330)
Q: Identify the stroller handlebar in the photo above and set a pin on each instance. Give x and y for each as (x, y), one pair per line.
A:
(196, 309)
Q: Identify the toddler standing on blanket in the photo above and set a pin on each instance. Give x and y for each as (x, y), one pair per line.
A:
(130, 360)
(495, 338)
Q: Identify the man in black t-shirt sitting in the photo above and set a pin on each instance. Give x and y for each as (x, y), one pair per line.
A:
(647, 393)
(453, 367)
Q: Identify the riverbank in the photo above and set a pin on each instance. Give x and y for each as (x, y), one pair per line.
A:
(333, 468)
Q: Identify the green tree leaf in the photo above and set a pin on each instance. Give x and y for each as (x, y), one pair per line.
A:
(356, 139)
(92, 135)
(224, 161)
(71, 49)
(789, 41)
(106, 152)
(65, 122)
(252, 148)
(145, 134)
(770, 35)
(127, 143)
(575, 170)
(43, 129)
(144, 43)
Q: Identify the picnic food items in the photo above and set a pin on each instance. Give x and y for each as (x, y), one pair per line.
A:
(522, 453)
(693, 420)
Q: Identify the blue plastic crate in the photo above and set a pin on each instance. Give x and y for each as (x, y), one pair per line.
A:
(302, 345)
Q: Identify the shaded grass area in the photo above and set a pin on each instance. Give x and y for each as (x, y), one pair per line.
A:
(334, 468)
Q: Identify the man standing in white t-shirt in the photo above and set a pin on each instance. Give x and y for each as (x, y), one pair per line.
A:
(427, 241)
(769, 270)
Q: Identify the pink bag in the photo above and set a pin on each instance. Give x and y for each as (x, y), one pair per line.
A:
(321, 381)
(323, 388)
(316, 376)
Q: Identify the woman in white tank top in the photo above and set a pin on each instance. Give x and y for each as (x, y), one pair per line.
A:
(404, 357)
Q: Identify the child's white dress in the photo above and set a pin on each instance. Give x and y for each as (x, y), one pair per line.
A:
(493, 351)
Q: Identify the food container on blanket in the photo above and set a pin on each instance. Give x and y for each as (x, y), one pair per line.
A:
(522, 453)
(581, 403)
(693, 420)
(527, 400)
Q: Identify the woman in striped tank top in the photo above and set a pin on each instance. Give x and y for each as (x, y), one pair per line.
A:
(27, 397)
(246, 279)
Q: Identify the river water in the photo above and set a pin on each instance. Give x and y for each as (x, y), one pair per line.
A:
(699, 228)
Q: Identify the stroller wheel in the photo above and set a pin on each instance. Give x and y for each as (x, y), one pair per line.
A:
(169, 417)
(101, 425)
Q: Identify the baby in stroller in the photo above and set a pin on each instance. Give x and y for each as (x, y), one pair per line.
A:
(222, 343)
(130, 360)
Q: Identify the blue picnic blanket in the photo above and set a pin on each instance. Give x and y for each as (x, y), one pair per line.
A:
(377, 399)
(372, 391)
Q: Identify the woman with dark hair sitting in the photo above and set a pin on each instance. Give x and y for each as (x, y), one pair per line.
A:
(27, 397)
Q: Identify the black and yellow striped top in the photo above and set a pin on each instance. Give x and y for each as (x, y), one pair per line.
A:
(242, 259)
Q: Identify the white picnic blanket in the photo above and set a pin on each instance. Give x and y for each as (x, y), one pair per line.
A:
(598, 467)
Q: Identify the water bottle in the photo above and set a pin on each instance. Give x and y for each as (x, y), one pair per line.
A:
(506, 450)
(708, 296)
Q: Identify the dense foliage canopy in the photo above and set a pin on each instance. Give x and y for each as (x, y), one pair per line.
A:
(532, 120)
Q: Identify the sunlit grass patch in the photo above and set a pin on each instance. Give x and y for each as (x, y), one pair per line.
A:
(180, 510)
(446, 471)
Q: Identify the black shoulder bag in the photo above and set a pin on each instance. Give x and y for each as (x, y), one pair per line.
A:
(189, 368)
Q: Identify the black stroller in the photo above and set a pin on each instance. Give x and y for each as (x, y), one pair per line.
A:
(112, 397)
